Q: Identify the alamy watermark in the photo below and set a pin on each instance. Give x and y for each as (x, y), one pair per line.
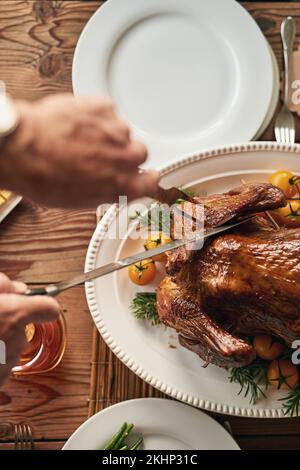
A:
(182, 220)
(295, 358)
(295, 95)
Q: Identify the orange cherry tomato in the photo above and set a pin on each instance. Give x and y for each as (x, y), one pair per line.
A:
(286, 181)
(143, 272)
(283, 374)
(267, 347)
(289, 215)
(157, 239)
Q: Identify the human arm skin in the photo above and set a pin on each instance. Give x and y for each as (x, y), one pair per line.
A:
(16, 311)
(73, 152)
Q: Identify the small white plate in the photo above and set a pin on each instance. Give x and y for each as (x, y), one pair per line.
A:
(164, 424)
(187, 75)
(146, 349)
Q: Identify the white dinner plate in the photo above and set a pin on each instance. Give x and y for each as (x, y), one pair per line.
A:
(146, 349)
(275, 96)
(164, 424)
(187, 75)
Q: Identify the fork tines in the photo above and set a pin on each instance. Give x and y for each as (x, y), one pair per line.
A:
(23, 437)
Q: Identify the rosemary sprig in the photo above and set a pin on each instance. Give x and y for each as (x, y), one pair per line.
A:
(249, 377)
(158, 218)
(291, 403)
(143, 307)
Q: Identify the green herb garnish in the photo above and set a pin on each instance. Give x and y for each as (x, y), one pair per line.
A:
(249, 377)
(158, 218)
(291, 403)
(143, 307)
(117, 442)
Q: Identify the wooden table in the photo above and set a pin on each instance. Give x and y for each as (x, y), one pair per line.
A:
(38, 245)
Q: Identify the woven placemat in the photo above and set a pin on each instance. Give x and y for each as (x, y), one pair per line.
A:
(111, 381)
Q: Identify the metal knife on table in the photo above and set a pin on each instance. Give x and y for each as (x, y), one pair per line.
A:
(55, 289)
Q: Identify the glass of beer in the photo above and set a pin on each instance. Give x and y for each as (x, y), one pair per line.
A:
(45, 348)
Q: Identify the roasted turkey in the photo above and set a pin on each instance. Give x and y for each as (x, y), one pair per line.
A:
(241, 283)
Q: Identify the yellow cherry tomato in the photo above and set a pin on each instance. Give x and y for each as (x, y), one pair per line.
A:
(283, 374)
(157, 239)
(143, 272)
(286, 181)
(289, 215)
(267, 347)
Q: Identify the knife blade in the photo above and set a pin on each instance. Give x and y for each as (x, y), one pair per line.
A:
(55, 289)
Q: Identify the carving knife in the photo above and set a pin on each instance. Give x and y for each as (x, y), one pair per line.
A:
(55, 289)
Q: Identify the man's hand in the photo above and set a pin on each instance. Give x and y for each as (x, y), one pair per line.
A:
(73, 152)
(16, 311)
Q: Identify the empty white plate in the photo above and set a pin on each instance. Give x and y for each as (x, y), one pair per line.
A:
(164, 424)
(187, 75)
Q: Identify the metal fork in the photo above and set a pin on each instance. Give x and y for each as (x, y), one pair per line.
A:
(285, 124)
(23, 437)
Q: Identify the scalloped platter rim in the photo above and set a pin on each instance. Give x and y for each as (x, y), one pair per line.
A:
(146, 350)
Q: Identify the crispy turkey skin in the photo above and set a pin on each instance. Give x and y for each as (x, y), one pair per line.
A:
(241, 283)
(221, 208)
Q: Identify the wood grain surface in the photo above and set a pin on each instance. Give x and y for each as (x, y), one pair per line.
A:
(56, 402)
(37, 245)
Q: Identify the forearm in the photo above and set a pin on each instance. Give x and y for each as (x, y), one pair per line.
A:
(64, 142)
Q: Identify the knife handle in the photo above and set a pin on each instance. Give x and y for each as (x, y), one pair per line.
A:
(50, 290)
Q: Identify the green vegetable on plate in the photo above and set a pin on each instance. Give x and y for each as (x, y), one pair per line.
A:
(117, 442)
